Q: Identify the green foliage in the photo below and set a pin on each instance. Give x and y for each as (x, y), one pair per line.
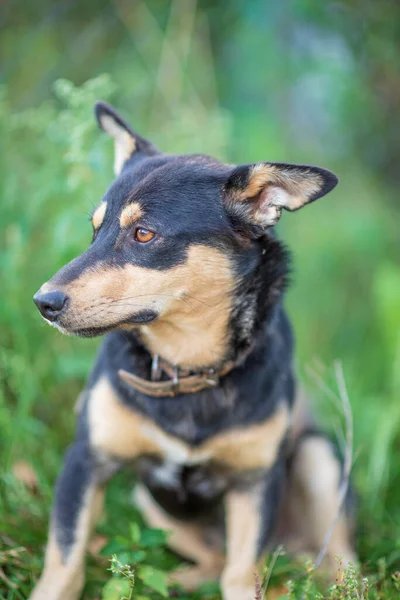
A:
(145, 549)
(350, 585)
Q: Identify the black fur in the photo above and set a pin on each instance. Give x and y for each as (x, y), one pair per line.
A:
(72, 484)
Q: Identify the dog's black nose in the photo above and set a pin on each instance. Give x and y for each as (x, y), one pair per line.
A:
(50, 304)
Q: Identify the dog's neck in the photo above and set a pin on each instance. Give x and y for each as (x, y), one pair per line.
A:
(195, 338)
(222, 326)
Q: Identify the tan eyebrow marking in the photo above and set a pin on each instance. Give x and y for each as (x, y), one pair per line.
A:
(98, 215)
(130, 214)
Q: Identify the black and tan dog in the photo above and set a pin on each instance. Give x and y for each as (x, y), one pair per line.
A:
(194, 382)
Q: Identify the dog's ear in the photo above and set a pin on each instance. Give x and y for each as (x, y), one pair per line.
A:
(257, 193)
(127, 142)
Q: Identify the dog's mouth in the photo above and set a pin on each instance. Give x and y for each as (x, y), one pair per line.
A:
(142, 317)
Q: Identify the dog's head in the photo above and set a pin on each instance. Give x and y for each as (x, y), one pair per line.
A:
(172, 239)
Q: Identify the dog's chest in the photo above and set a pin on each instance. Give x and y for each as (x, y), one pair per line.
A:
(117, 431)
(174, 451)
(184, 490)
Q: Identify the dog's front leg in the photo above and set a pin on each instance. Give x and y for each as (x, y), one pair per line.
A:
(78, 502)
(250, 517)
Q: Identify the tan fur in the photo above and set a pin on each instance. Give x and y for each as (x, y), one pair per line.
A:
(124, 142)
(186, 539)
(313, 498)
(193, 298)
(243, 523)
(47, 287)
(193, 330)
(254, 447)
(98, 215)
(260, 176)
(64, 579)
(299, 186)
(130, 214)
(120, 432)
(114, 428)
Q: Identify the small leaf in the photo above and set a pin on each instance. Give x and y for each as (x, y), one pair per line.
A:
(124, 557)
(131, 557)
(134, 531)
(153, 537)
(115, 588)
(137, 556)
(154, 579)
(209, 588)
(116, 545)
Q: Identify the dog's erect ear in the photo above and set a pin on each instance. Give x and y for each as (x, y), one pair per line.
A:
(126, 141)
(257, 193)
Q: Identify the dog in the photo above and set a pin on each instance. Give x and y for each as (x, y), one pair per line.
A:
(194, 382)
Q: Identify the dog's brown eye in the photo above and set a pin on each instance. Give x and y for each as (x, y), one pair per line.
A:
(143, 235)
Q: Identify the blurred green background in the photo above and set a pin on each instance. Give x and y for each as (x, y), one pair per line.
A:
(285, 80)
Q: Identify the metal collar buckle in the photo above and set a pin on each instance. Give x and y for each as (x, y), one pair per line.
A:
(212, 377)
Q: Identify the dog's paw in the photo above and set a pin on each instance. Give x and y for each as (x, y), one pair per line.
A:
(238, 586)
(239, 592)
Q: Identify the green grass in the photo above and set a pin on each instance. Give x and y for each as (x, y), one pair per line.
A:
(344, 303)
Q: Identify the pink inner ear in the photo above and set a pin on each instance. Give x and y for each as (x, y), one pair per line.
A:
(270, 202)
(274, 195)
